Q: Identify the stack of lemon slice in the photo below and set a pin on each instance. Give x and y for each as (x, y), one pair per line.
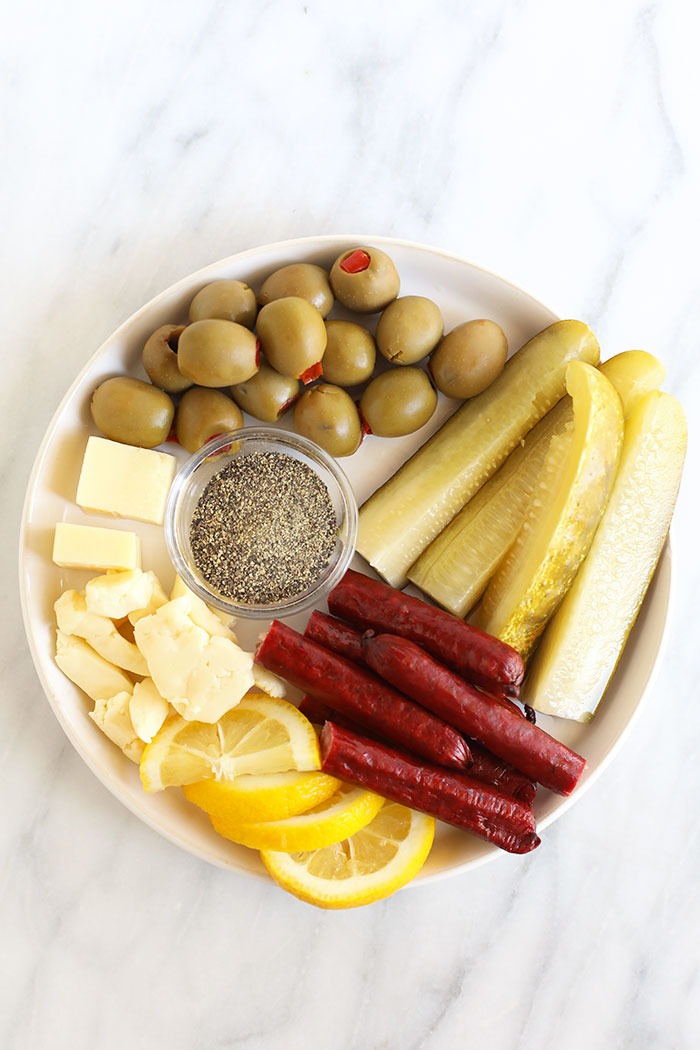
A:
(256, 773)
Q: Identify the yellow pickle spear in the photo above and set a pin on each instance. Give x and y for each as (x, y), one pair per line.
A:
(566, 508)
(405, 514)
(582, 646)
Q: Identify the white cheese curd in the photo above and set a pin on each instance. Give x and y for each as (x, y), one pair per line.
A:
(116, 594)
(88, 670)
(158, 598)
(201, 675)
(73, 617)
(147, 709)
(113, 718)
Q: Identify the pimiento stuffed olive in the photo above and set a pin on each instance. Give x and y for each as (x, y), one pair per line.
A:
(229, 300)
(305, 280)
(328, 415)
(350, 353)
(132, 411)
(160, 360)
(217, 353)
(202, 414)
(267, 394)
(469, 358)
(364, 279)
(409, 329)
(398, 402)
(292, 337)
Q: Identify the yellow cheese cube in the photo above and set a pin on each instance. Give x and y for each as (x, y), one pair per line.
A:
(90, 547)
(124, 480)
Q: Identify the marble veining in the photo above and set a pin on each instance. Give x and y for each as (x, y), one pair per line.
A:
(558, 147)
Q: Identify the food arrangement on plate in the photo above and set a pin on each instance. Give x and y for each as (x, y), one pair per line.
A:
(413, 648)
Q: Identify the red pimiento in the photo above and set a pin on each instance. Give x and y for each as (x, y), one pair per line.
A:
(456, 798)
(527, 747)
(311, 373)
(356, 261)
(482, 659)
(359, 695)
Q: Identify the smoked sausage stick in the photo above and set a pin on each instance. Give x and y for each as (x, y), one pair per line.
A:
(527, 747)
(482, 659)
(360, 696)
(456, 798)
(484, 766)
(346, 641)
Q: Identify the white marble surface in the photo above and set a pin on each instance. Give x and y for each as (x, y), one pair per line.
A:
(558, 146)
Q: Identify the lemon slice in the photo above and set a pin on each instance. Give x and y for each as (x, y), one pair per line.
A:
(265, 796)
(367, 866)
(346, 811)
(262, 734)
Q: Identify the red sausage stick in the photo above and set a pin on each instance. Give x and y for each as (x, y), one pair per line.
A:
(360, 696)
(534, 752)
(346, 641)
(456, 798)
(484, 766)
(337, 636)
(484, 660)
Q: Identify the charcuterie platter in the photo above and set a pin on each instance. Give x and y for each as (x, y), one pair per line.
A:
(366, 458)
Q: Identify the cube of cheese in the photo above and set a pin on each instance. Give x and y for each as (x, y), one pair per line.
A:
(90, 547)
(124, 480)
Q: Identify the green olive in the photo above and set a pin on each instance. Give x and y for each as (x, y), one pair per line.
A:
(228, 300)
(202, 414)
(364, 279)
(398, 402)
(306, 280)
(160, 362)
(469, 358)
(267, 394)
(328, 415)
(132, 411)
(217, 353)
(409, 329)
(292, 337)
(350, 353)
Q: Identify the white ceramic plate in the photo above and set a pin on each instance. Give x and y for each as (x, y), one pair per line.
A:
(463, 291)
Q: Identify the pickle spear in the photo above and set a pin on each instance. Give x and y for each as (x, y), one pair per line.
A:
(581, 648)
(402, 517)
(566, 508)
(457, 566)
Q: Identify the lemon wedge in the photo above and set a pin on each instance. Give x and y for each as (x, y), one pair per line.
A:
(262, 734)
(264, 796)
(582, 645)
(366, 867)
(567, 505)
(347, 810)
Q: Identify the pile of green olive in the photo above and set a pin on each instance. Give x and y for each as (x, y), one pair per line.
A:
(264, 354)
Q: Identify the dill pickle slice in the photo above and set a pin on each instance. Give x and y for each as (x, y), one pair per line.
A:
(633, 373)
(457, 566)
(567, 506)
(405, 514)
(455, 569)
(581, 648)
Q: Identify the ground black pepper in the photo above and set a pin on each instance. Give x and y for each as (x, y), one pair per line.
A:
(263, 529)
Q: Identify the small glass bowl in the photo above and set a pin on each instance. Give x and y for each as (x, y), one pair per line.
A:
(193, 477)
